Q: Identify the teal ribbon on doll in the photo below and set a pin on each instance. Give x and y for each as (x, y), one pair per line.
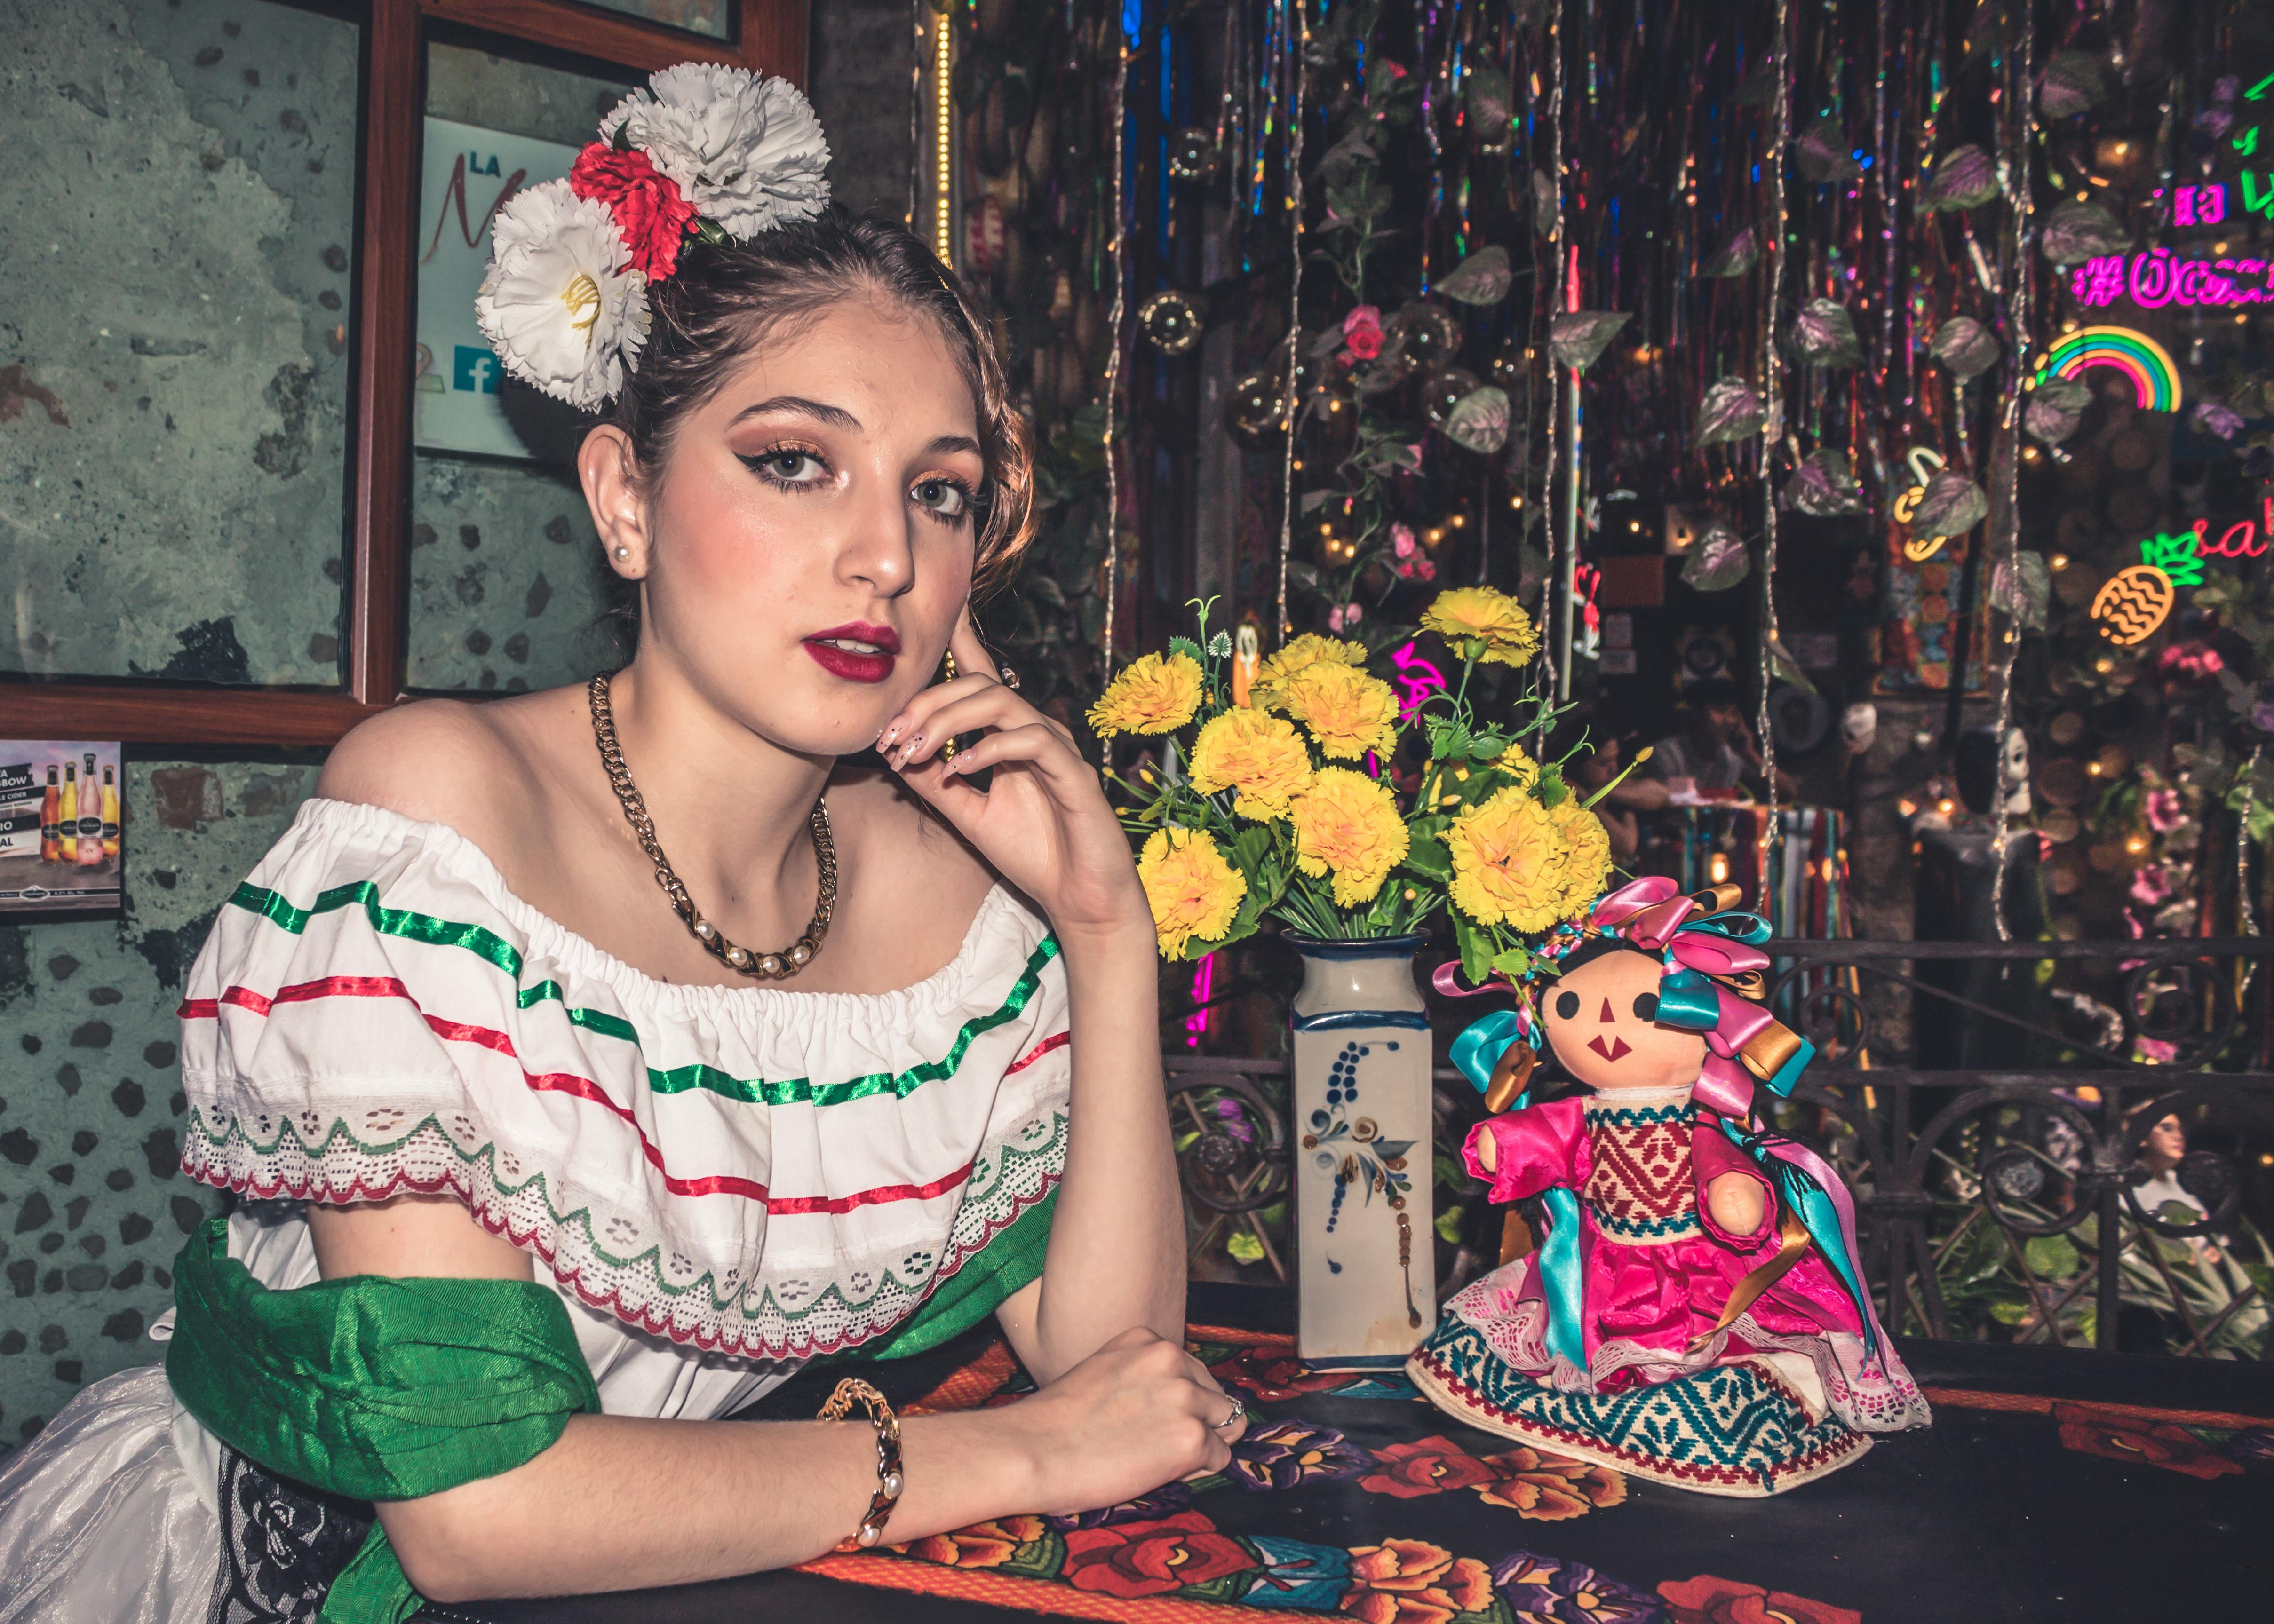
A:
(1805, 1184)
(1482, 1043)
(1476, 1052)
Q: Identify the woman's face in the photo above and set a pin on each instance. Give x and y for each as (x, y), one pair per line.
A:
(807, 549)
(1602, 1020)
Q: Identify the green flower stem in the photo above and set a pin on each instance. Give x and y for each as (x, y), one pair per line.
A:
(1641, 756)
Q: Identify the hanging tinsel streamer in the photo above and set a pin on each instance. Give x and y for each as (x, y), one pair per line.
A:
(2020, 104)
(2246, 911)
(1113, 353)
(919, 71)
(1773, 431)
(1564, 450)
(1292, 408)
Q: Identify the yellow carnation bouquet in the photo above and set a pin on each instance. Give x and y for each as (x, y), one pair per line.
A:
(1289, 806)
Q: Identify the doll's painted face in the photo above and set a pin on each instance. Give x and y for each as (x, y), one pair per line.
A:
(1602, 1020)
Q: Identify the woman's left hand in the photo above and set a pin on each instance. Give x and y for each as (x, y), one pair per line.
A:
(1043, 822)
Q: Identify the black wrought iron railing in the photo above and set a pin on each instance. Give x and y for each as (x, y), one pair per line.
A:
(2061, 1143)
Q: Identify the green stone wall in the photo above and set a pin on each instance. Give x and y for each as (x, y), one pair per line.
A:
(93, 1201)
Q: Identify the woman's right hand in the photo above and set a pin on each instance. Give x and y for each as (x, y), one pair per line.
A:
(1136, 1414)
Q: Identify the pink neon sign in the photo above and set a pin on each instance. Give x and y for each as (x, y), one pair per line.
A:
(2198, 206)
(2156, 279)
(1196, 1024)
(1419, 678)
(2241, 540)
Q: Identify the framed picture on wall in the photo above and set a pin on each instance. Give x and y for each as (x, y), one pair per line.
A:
(470, 174)
(61, 813)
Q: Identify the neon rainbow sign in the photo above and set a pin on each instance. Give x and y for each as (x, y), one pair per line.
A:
(2155, 380)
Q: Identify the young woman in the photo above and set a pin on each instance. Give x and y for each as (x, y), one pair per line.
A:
(622, 1008)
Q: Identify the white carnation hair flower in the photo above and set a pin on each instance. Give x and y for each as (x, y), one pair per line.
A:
(561, 303)
(746, 151)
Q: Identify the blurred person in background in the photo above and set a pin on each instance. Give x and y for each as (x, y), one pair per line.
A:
(1714, 752)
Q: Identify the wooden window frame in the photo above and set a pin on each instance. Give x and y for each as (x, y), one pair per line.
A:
(770, 34)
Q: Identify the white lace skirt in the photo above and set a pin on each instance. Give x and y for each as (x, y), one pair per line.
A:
(101, 1521)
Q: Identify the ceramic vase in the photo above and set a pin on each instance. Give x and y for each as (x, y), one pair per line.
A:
(1364, 1254)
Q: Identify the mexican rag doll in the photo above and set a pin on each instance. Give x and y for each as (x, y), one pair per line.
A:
(1694, 1314)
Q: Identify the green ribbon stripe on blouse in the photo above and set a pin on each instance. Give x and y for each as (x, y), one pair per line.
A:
(430, 931)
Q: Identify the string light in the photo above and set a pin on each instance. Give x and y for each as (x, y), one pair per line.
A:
(2008, 552)
(943, 232)
(2246, 914)
(1293, 407)
(1773, 430)
(1113, 352)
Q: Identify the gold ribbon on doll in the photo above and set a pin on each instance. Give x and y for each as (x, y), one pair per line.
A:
(1793, 1236)
(1770, 1050)
(1511, 1075)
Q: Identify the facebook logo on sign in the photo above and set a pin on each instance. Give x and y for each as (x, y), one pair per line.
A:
(473, 368)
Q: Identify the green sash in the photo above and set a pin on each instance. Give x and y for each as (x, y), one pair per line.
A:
(373, 1388)
(377, 1388)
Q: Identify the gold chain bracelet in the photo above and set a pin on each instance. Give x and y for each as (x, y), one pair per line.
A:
(889, 1482)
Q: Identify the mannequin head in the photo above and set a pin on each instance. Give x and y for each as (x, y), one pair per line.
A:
(1600, 1016)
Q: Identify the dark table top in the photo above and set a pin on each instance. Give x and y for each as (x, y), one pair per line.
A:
(2041, 1492)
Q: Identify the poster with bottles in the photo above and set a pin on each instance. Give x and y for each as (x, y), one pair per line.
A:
(62, 812)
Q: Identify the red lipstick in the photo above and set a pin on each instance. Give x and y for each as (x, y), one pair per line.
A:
(856, 650)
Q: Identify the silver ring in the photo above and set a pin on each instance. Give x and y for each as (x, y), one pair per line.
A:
(1238, 1413)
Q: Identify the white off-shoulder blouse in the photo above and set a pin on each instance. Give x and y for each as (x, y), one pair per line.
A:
(721, 1183)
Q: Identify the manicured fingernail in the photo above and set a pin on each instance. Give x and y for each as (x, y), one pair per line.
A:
(915, 741)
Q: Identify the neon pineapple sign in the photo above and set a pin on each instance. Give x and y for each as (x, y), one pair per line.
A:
(2133, 603)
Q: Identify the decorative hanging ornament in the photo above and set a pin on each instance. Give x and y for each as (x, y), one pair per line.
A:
(1545, 212)
(1577, 338)
(2022, 587)
(2056, 407)
(1444, 391)
(1824, 334)
(1736, 255)
(1491, 107)
(1731, 411)
(1951, 505)
(1509, 367)
(1191, 154)
(1170, 321)
(1256, 409)
(1718, 561)
(2076, 231)
(1823, 154)
(1964, 347)
(1478, 421)
(1965, 179)
(1480, 279)
(1824, 485)
(2074, 82)
(1424, 335)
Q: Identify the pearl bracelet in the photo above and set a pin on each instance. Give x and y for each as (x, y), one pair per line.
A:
(889, 1482)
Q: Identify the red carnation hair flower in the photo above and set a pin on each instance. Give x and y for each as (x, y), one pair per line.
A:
(650, 212)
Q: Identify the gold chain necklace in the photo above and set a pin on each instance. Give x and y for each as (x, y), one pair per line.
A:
(766, 966)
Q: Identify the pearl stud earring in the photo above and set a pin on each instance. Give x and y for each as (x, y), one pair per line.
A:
(624, 553)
